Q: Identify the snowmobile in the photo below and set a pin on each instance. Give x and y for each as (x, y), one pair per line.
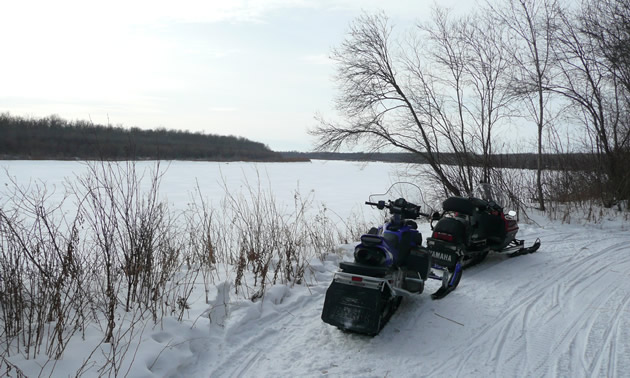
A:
(389, 263)
(471, 227)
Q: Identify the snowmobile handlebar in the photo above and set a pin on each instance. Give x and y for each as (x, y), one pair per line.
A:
(408, 210)
(380, 204)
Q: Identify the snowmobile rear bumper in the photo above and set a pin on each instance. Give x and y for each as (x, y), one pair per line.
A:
(443, 253)
(359, 304)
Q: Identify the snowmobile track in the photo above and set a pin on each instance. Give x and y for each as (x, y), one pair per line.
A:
(563, 311)
(541, 305)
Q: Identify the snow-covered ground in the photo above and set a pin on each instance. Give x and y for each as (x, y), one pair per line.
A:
(341, 185)
(563, 311)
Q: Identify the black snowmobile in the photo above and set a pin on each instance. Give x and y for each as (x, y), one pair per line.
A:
(389, 263)
(472, 227)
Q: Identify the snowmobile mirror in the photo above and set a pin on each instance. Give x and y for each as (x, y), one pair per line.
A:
(435, 216)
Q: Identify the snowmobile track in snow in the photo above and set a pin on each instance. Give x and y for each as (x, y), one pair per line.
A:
(534, 332)
(562, 311)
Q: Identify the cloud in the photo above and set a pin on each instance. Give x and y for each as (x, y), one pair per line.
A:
(223, 109)
(318, 59)
(202, 11)
(113, 13)
(218, 54)
(79, 14)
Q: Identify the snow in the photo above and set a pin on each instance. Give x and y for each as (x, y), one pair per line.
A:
(326, 181)
(562, 311)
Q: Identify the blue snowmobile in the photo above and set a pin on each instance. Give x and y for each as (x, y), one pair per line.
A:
(389, 263)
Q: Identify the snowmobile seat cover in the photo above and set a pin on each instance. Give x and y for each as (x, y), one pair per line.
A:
(460, 205)
(452, 226)
(370, 239)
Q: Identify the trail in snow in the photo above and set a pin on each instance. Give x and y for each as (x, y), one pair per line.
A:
(563, 311)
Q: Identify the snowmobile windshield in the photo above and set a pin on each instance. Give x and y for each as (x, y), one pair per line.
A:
(407, 190)
(486, 191)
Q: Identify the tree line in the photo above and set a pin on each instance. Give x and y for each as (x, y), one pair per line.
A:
(456, 85)
(55, 138)
(552, 161)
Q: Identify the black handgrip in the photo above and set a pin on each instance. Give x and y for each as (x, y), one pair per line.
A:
(379, 205)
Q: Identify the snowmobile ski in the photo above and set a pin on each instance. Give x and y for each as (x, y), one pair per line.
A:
(525, 250)
(450, 280)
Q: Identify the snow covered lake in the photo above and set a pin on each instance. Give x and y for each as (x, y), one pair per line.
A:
(563, 311)
(341, 186)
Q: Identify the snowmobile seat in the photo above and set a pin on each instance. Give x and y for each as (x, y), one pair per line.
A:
(460, 205)
(364, 270)
(452, 226)
(370, 240)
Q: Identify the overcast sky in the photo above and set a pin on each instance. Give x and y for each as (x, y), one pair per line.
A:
(252, 68)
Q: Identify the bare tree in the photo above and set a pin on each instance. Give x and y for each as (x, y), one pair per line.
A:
(606, 26)
(439, 96)
(488, 67)
(378, 106)
(531, 23)
(593, 80)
